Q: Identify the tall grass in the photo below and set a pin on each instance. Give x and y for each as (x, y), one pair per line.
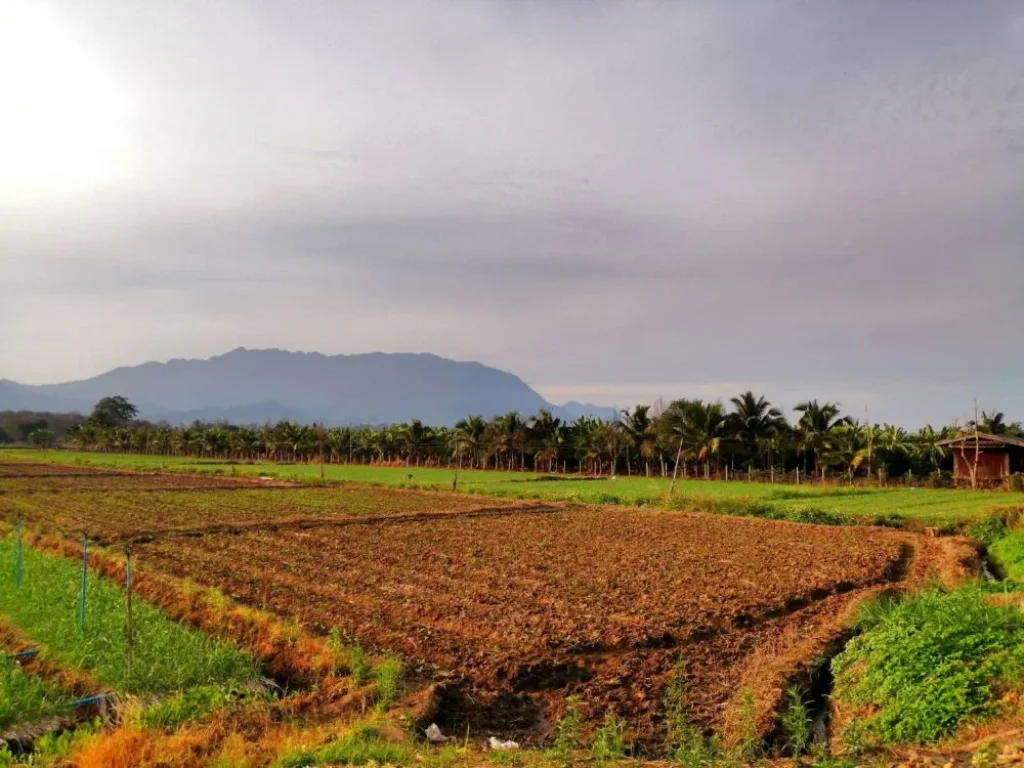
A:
(165, 656)
(926, 664)
(25, 698)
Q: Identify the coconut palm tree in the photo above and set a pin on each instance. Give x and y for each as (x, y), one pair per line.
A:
(927, 449)
(545, 434)
(816, 429)
(755, 420)
(640, 434)
(507, 436)
(698, 427)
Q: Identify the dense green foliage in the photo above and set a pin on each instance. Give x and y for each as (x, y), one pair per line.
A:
(686, 438)
(924, 665)
(24, 697)
(166, 655)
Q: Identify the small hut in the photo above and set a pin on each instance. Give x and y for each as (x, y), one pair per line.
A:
(992, 457)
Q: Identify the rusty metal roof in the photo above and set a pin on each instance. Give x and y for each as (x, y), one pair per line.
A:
(985, 439)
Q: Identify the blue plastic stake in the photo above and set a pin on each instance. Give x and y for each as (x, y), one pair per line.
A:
(17, 562)
(85, 570)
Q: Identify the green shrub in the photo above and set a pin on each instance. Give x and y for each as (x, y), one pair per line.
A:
(924, 665)
(989, 530)
(1015, 482)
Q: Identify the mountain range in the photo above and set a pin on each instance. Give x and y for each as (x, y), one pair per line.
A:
(254, 386)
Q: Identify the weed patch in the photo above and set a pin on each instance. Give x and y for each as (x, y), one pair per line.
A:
(25, 698)
(358, 747)
(1007, 554)
(925, 665)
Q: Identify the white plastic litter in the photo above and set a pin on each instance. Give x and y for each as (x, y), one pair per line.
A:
(434, 735)
(498, 745)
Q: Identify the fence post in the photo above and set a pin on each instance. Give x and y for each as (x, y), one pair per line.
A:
(85, 570)
(129, 624)
(17, 550)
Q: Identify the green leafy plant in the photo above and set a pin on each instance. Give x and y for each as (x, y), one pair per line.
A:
(609, 741)
(796, 722)
(926, 664)
(388, 676)
(567, 731)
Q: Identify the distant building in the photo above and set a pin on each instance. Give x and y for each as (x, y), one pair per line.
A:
(997, 456)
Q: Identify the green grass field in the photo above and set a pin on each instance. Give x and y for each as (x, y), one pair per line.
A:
(939, 507)
(166, 655)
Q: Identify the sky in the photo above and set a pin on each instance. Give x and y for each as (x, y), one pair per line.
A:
(617, 201)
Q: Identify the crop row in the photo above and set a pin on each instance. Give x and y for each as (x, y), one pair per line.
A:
(602, 602)
(109, 516)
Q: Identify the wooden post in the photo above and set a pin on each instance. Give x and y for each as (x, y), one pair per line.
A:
(85, 571)
(129, 622)
(17, 556)
(675, 469)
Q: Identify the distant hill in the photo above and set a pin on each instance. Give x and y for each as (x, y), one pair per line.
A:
(247, 386)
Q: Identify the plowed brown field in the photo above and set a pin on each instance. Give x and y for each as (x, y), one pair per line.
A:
(127, 513)
(513, 606)
(529, 609)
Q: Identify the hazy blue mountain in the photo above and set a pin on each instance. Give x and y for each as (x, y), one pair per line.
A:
(258, 385)
(21, 397)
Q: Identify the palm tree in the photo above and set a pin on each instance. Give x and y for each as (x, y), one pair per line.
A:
(639, 430)
(469, 436)
(927, 449)
(756, 421)
(508, 435)
(699, 427)
(993, 423)
(816, 429)
(545, 433)
(414, 435)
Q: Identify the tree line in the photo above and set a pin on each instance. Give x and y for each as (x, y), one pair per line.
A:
(688, 438)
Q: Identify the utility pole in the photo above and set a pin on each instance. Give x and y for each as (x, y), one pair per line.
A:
(977, 447)
(871, 439)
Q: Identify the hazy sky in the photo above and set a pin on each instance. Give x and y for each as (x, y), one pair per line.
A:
(616, 201)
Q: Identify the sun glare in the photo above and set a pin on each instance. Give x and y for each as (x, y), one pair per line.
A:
(63, 115)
